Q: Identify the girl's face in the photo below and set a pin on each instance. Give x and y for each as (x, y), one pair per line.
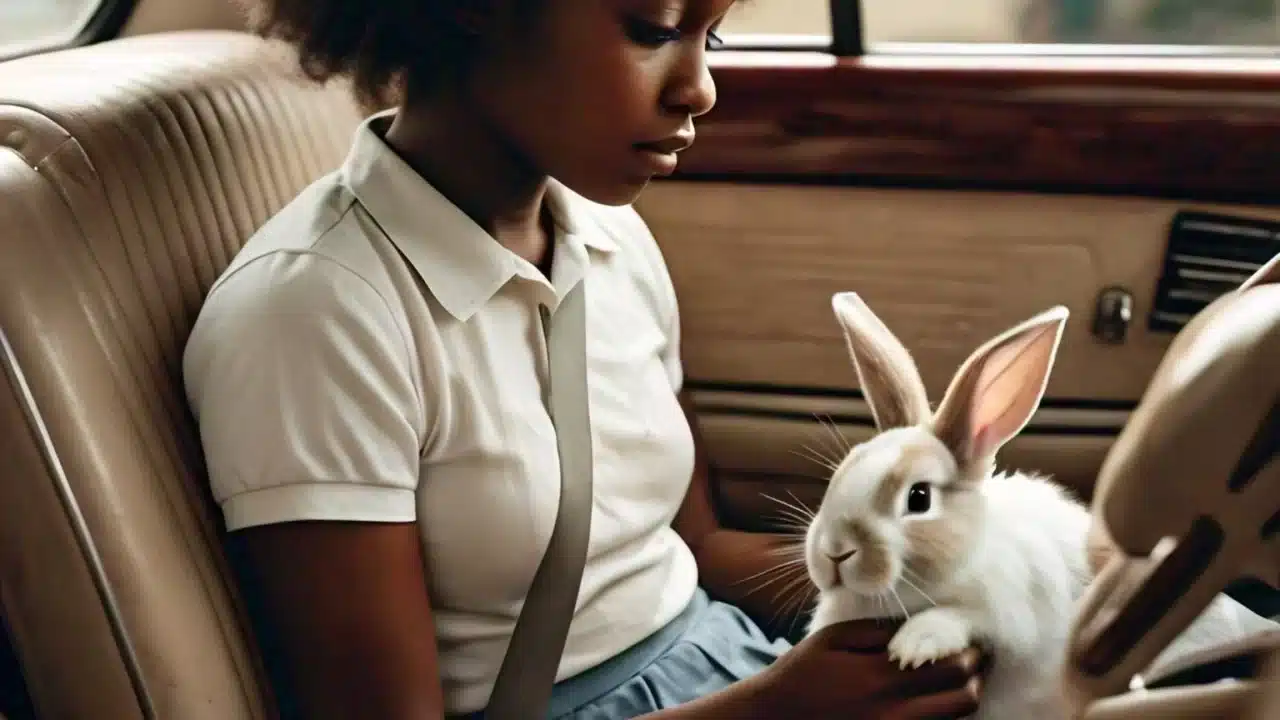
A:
(599, 94)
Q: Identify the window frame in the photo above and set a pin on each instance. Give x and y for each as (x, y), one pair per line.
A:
(1196, 124)
(846, 28)
(105, 22)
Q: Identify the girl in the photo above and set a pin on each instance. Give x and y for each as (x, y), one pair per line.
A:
(368, 380)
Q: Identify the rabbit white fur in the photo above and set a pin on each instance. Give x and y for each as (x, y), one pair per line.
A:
(916, 523)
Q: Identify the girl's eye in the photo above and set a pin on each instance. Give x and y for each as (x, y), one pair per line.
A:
(919, 498)
(647, 34)
(653, 35)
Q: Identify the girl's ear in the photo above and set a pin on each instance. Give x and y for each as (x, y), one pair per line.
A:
(996, 391)
(886, 372)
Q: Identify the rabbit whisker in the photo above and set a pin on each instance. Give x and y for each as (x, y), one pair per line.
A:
(916, 587)
(796, 580)
(785, 568)
(795, 524)
(842, 444)
(789, 550)
(795, 510)
(794, 516)
(805, 599)
(906, 613)
(815, 456)
(882, 604)
(810, 512)
(787, 597)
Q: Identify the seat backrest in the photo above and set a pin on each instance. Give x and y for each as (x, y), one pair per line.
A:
(130, 174)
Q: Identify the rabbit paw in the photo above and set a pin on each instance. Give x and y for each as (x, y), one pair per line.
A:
(930, 636)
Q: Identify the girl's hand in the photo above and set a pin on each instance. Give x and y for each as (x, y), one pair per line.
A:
(844, 671)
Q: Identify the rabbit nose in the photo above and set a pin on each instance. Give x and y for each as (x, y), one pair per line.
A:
(841, 557)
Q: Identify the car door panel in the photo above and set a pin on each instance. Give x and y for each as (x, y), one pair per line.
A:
(1026, 188)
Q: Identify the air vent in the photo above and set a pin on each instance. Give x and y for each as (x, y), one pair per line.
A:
(1208, 255)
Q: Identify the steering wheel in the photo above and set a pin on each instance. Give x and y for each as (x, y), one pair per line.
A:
(1188, 500)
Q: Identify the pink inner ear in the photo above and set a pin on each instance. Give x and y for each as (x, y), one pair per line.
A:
(998, 386)
(981, 441)
(1008, 390)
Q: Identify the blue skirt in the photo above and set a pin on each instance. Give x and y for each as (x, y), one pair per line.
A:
(710, 646)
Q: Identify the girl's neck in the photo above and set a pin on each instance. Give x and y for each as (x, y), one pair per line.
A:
(446, 143)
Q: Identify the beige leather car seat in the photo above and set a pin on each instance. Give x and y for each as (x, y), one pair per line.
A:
(130, 173)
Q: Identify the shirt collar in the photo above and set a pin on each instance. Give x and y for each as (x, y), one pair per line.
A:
(461, 264)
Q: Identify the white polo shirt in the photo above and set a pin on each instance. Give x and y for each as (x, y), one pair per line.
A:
(373, 355)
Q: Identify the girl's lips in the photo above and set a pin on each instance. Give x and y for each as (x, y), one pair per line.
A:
(669, 145)
(661, 155)
(657, 162)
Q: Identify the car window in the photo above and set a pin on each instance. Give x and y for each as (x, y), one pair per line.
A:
(1233, 23)
(27, 25)
(1096, 27)
(784, 21)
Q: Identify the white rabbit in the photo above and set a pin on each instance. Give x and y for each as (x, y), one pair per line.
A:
(916, 523)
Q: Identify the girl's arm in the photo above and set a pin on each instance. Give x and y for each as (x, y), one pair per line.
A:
(348, 605)
(741, 568)
(302, 381)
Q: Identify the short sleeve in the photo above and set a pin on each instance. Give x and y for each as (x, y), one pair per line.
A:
(299, 376)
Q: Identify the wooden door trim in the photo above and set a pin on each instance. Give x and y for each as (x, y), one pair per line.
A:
(1202, 127)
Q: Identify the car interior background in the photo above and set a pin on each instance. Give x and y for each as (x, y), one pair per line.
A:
(961, 165)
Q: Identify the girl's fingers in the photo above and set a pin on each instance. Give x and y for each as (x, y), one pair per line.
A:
(943, 706)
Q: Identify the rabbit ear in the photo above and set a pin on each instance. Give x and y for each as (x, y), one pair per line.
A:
(886, 372)
(995, 392)
(1268, 274)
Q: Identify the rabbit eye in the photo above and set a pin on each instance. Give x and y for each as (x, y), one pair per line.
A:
(919, 498)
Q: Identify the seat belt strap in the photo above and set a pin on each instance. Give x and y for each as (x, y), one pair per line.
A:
(528, 673)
